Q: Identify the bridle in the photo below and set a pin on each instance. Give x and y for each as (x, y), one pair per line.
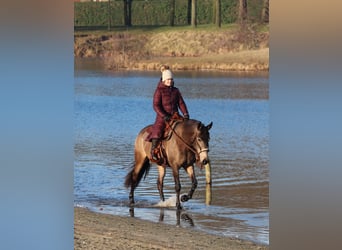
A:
(197, 154)
(203, 150)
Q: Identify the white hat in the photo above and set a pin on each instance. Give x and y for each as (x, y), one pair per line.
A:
(167, 74)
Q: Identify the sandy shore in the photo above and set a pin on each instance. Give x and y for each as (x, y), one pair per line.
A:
(101, 231)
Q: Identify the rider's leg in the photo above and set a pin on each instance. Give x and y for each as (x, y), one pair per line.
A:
(155, 142)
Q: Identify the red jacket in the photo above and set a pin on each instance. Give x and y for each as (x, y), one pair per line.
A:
(167, 100)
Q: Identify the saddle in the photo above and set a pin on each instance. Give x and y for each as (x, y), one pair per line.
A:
(159, 149)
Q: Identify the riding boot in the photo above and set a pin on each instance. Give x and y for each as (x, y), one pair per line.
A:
(154, 145)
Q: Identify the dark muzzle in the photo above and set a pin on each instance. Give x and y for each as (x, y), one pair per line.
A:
(205, 162)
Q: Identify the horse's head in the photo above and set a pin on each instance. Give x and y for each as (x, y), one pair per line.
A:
(201, 143)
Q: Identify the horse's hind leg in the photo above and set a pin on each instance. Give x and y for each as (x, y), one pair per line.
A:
(140, 167)
(131, 195)
(160, 182)
(132, 182)
(191, 173)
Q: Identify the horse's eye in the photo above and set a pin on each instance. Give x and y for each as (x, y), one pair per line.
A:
(199, 139)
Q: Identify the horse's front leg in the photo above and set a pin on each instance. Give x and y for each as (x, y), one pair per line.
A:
(191, 173)
(160, 182)
(177, 187)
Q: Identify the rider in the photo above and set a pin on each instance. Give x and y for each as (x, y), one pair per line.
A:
(167, 100)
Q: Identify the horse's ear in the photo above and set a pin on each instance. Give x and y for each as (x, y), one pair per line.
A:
(209, 126)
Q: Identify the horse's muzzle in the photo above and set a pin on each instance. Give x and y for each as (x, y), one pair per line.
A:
(205, 162)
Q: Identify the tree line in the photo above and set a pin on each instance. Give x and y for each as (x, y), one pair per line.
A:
(192, 13)
(171, 12)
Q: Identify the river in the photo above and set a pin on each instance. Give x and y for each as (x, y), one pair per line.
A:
(110, 108)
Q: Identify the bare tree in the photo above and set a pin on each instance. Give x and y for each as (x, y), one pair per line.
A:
(217, 12)
(109, 16)
(265, 12)
(242, 10)
(193, 13)
(189, 12)
(172, 12)
(128, 12)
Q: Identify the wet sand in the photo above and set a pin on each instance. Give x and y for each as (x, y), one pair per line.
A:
(102, 231)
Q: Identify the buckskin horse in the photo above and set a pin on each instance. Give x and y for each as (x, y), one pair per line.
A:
(187, 144)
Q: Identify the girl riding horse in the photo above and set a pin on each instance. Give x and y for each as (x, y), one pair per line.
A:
(167, 100)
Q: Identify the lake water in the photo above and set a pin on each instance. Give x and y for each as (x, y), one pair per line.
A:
(112, 107)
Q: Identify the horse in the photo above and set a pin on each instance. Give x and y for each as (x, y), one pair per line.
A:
(187, 145)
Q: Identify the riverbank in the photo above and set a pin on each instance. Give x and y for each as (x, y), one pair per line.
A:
(103, 231)
(228, 49)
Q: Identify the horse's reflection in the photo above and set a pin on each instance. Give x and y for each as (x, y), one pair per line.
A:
(131, 211)
(185, 217)
(180, 215)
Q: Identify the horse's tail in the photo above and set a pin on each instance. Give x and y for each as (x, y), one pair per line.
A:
(130, 180)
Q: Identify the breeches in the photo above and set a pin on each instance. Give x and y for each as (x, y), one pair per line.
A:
(158, 128)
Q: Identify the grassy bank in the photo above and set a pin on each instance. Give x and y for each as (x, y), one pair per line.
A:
(229, 48)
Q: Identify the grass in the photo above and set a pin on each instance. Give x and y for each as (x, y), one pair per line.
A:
(231, 47)
(103, 30)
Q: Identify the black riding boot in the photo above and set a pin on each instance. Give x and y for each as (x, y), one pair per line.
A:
(154, 145)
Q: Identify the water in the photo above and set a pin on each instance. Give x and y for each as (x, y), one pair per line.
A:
(112, 107)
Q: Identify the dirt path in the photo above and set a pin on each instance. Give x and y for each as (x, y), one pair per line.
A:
(101, 231)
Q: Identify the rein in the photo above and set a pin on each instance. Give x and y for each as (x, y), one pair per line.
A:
(187, 145)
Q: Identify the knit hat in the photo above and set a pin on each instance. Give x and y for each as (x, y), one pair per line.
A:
(167, 74)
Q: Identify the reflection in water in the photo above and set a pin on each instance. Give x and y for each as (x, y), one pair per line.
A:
(185, 217)
(180, 214)
(131, 211)
(111, 108)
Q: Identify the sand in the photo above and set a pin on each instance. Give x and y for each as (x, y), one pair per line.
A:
(102, 231)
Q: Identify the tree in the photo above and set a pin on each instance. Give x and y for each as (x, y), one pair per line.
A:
(217, 13)
(128, 12)
(109, 16)
(242, 10)
(265, 12)
(188, 14)
(193, 13)
(172, 12)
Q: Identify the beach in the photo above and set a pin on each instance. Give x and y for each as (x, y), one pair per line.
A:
(103, 231)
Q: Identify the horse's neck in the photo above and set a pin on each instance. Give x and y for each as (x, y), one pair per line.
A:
(186, 130)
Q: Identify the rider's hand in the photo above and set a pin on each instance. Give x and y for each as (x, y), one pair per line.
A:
(186, 117)
(167, 118)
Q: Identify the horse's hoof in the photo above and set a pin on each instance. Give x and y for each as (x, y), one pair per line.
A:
(184, 198)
